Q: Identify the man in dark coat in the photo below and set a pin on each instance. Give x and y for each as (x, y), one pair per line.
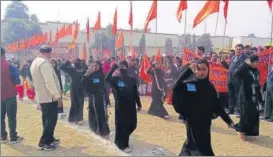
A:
(233, 83)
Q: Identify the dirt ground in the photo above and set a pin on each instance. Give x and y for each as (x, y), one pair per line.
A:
(169, 135)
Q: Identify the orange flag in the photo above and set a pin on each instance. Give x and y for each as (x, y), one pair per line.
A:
(68, 30)
(84, 51)
(120, 40)
(75, 36)
(270, 4)
(87, 30)
(152, 15)
(158, 57)
(182, 6)
(57, 36)
(226, 9)
(130, 22)
(97, 25)
(45, 37)
(133, 52)
(61, 33)
(50, 37)
(115, 21)
(145, 64)
(209, 8)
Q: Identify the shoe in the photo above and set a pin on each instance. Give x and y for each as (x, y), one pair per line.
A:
(56, 141)
(17, 140)
(4, 140)
(127, 150)
(46, 147)
(80, 122)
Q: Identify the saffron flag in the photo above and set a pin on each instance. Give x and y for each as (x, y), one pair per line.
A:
(75, 36)
(120, 40)
(158, 57)
(226, 9)
(182, 6)
(97, 25)
(152, 15)
(130, 22)
(269, 4)
(84, 51)
(209, 8)
(68, 30)
(114, 28)
(145, 65)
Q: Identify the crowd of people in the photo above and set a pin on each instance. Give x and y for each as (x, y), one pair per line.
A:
(186, 87)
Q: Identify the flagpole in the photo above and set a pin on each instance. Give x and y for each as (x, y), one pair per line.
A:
(216, 24)
(270, 44)
(185, 28)
(223, 40)
(100, 41)
(205, 27)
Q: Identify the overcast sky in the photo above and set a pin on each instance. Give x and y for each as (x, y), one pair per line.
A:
(244, 17)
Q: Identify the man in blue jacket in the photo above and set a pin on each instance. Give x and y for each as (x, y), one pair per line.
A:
(269, 96)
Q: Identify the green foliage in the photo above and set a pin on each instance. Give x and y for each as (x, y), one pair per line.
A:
(17, 10)
(18, 24)
(205, 41)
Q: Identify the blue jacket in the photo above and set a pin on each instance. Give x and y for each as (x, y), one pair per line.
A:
(270, 79)
(234, 65)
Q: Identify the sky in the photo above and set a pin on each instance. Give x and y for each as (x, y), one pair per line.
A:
(244, 17)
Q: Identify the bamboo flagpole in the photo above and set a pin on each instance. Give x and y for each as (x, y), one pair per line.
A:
(268, 68)
(216, 25)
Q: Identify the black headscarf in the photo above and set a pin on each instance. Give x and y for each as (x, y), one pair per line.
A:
(203, 61)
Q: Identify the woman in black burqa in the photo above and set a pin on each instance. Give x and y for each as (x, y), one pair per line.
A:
(159, 91)
(195, 98)
(250, 97)
(126, 98)
(77, 93)
(93, 82)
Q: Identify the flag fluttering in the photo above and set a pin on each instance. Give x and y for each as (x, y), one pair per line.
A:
(158, 57)
(145, 64)
(152, 15)
(75, 36)
(130, 22)
(270, 4)
(97, 25)
(115, 21)
(209, 8)
(226, 9)
(182, 6)
(120, 40)
(68, 30)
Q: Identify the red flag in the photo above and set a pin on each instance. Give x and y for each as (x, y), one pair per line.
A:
(87, 30)
(68, 30)
(145, 64)
(115, 21)
(97, 25)
(120, 40)
(209, 8)
(152, 15)
(45, 37)
(226, 9)
(121, 56)
(130, 22)
(270, 4)
(84, 51)
(57, 36)
(182, 6)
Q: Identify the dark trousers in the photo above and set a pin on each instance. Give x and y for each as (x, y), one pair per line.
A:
(269, 105)
(122, 137)
(49, 119)
(107, 91)
(233, 90)
(9, 107)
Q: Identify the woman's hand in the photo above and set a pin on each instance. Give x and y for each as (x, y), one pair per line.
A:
(193, 67)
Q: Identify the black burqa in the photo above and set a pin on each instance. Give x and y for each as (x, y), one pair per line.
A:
(249, 98)
(76, 91)
(58, 73)
(158, 96)
(126, 97)
(196, 100)
(97, 117)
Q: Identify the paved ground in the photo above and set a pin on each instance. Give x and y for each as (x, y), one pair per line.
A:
(153, 137)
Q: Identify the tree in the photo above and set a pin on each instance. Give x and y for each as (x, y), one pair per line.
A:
(18, 24)
(205, 41)
(168, 46)
(142, 45)
(17, 10)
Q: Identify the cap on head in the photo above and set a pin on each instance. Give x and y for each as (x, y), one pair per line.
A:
(45, 49)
